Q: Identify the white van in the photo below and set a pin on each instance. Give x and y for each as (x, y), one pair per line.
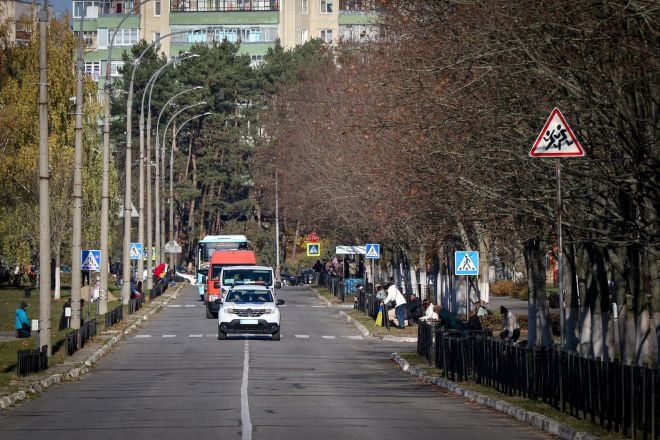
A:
(231, 276)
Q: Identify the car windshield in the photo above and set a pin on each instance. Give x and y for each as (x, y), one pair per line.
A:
(249, 296)
(236, 277)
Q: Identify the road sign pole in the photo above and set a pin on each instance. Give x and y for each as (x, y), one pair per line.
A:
(467, 298)
(560, 266)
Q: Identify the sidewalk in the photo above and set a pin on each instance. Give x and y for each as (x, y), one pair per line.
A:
(83, 360)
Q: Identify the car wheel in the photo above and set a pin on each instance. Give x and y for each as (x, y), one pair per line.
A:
(221, 335)
(276, 336)
(209, 314)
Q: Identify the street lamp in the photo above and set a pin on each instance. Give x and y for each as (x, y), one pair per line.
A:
(148, 219)
(105, 185)
(126, 291)
(171, 201)
(158, 145)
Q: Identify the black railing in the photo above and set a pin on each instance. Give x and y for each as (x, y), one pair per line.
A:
(32, 361)
(76, 339)
(114, 316)
(135, 304)
(425, 340)
(622, 398)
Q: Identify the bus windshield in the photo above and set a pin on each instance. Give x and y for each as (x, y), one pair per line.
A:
(213, 243)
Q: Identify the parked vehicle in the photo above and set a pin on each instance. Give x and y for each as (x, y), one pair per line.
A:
(249, 308)
(287, 279)
(212, 282)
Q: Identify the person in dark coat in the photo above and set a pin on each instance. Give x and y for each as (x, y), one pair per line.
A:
(415, 310)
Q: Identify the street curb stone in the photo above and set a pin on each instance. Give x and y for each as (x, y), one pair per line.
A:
(534, 419)
(75, 373)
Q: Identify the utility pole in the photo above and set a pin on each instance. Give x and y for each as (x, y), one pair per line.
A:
(76, 275)
(277, 228)
(44, 178)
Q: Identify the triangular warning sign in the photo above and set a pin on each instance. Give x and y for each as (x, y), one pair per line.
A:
(556, 139)
(371, 252)
(467, 265)
(90, 262)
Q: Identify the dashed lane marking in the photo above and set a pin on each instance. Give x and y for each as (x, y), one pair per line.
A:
(355, 338)
(195, 336)
(302, 336)
(142, 336)
(169, 336)
(174, 306)
(328, 337)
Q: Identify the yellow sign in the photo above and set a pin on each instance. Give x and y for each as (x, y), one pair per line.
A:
(313, 249)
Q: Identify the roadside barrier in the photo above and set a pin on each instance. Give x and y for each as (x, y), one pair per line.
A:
(76, 339)
(135, 304)
(621, 398)
(114, 316)
(31, 361)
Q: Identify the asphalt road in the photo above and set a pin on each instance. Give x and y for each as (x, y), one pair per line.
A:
(174, 380)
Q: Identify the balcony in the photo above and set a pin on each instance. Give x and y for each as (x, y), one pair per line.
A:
(224, 6)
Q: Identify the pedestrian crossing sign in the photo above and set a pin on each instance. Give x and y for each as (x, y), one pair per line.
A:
(466, 263)
(90, 260)
(135, 251)
(313, 249)
(372, 250)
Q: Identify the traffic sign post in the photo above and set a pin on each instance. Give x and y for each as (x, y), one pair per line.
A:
(372, 251)
(555, 135)
(466, 263)
(313, 249)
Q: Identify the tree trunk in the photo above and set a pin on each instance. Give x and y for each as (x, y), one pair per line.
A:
(538, 317)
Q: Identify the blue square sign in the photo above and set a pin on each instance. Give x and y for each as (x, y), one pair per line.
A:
(372, 250)
(90, 260)
(466, 263)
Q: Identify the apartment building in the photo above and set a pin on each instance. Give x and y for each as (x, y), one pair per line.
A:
(18, 17)
(257, 24)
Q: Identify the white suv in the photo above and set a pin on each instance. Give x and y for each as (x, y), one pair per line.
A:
(249, 309)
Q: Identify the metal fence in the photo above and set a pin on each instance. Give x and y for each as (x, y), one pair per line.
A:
(622, 398)
(135, 304)
(114, 316)
(31, 361)
(76, 339)
(333, 284)
(159, 288)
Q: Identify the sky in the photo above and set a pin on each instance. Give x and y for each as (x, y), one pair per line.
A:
(61, 6)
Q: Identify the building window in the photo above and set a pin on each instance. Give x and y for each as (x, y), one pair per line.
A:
(92, 10)
(156, 37)
(124, 37)
(304, 36)
(157, 9)
(326, 35)
(93, 69)
(326, 6)
(304, 6)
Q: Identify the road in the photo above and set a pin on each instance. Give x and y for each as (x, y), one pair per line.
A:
(174, 380)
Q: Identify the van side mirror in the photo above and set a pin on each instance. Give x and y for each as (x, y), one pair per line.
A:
(279, 302)
(216, 284)
(278, 284)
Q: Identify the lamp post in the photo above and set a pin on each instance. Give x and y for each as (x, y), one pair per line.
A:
(105, 185)
(126, 291)
(158, 174)
(149, 221)
(171, 199)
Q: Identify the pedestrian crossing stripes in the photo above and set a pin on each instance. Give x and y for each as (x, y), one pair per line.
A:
(213, 335)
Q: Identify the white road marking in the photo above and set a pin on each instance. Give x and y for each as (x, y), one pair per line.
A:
(328, 337)
(246, 423)
(142, 336)
(188, 306)
(355, 338)
(175, 306)
(195, 336)
(319, 307)
(169, 336)
(302, 336)
(211, 335)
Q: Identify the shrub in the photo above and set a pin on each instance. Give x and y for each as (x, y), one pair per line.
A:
(509, 288)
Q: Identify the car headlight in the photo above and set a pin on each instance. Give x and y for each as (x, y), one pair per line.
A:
(230, 311)
(269, 311)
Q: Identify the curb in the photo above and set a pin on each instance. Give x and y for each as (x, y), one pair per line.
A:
(75, 373)
(534, 419)
(365, 331)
